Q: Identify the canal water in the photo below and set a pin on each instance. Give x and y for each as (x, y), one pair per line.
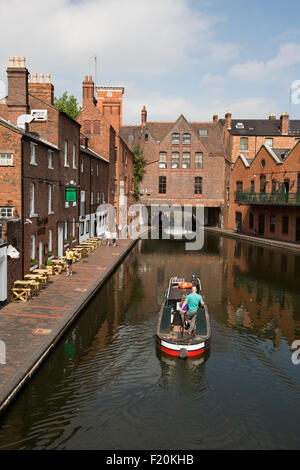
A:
(106, 385)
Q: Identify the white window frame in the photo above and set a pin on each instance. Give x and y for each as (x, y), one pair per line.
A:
(6, 212)
(32, 247)
(81, 165)
(92, 198)
(74, 157)
(50, 189)
(184, 158)
(50, 239)
(6, 159)
(175, 157)
(161, 163)
(32, 200)
(33, 154)
(268, 139)
(197, 162)
(66, 162)
(50, 160)
(186, 138)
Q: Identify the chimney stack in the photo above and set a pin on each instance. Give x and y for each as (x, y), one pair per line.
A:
(272, 117)
(42, 89)
(215, 117)
(17, 80)
(144, 115)
(284, 123)
(228, 120)
(88, 91)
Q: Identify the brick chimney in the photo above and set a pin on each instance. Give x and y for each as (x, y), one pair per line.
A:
(43, 88)
(17, 80)
(88, 87)
(272, 117)
(228, 120)
(215, 117)
(144, 115)
(284, 123)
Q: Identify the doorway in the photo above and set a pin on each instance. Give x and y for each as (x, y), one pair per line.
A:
(261, 225)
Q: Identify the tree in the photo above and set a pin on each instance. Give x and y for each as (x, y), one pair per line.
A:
(68, 104)
(139, 169)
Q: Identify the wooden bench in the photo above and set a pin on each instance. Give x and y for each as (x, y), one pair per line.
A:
(21, 293)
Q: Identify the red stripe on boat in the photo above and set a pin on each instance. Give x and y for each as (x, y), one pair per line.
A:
(173, 352)
(195, 353)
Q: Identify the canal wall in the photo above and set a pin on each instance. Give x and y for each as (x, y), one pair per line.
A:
(29, 331)
(257, 240)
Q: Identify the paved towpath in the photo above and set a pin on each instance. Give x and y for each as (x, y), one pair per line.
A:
(28, 331)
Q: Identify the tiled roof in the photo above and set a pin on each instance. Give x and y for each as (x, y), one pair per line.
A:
(262, 127)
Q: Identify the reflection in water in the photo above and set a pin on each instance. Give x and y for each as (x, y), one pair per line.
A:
(107, 386)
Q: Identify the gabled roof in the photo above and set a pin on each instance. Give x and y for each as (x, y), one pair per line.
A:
(262, 127)
(159, 130)
(31, 135)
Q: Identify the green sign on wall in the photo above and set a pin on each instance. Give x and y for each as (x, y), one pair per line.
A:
(71, 194)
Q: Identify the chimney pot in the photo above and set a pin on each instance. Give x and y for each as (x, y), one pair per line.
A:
(34, 77)
(215, 117)
(22, 61)
(47, 77)
(41, 78)
(272, 117)
(11, 61)
(90, 78)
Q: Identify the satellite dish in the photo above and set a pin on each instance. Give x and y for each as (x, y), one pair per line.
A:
(24, 119)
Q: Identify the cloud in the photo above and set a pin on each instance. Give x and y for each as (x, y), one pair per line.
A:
(224, 52)
(273, 69)
(143, 36)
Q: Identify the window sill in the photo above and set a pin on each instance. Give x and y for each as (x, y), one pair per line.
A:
(50, 257)
(50, 168)
(66, 166)
(32, 268)
(50, 213)
(32, 216)
(33, 164)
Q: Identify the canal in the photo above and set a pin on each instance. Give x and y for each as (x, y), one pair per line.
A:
(106, 386)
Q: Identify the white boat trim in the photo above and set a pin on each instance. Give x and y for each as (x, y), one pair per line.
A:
(178, 347)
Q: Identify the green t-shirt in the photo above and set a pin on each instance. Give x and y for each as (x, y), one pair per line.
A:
(193, 301)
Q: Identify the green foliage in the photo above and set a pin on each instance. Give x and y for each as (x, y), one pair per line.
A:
(139, 169)
(68, 104)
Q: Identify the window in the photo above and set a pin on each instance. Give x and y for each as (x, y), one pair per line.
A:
(92, 198)
(285, 224)
(6, 159)
(98, 198)
(269, 142)
(198, 160)
(66, 231)
(74, 156)
(50, 199)
(175, 160)
(32, 247)
(32, 154)
(31, 200)
(6, 212)
(81, 228)
(274, 186)
(198, 185)
(73, 228)
(239, 190)
(175, 139)
(186, 139)
(130, 138)
(50, 159)
(146, 137)
(81, 165)
(186, 160)
(50, 236)
(272, 223)
(92, 170)
(251, 220)
(263, 163)
(244, 143)
(162, 159)
(82, 203)
(87, 127)
(97, 169)
(252, 186)
(263, 184)
(116, 154)
(240, 125)
(87, 226)
(96, 127)
(66, 153)
(203, 132)
(162, 187)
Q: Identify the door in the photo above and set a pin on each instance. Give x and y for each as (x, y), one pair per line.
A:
(60, 240)
(261, 225)
(238, 221)
(40, 253)
(298, 229)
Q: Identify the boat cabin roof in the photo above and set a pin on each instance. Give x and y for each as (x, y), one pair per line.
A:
(175, 292)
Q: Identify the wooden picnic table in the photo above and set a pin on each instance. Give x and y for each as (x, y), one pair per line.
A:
(43, 278)
(42, 272)
(24, 289)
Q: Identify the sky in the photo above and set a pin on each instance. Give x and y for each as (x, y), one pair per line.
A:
(190, 57)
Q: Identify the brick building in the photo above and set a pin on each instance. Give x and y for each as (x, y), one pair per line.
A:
(101, 118)
(185, 164)
(39, 165)
(265, 194)
(93, 177)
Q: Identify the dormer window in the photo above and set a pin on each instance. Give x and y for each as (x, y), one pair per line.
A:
(240, 125)
(186, 139)
(203, 132)
(175, 139)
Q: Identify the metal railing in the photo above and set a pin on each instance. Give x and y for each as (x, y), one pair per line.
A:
(267, 198)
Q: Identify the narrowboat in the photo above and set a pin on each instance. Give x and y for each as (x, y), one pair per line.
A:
(171, 334)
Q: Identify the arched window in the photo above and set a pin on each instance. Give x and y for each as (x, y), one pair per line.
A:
(96, 127)
(87, 127)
